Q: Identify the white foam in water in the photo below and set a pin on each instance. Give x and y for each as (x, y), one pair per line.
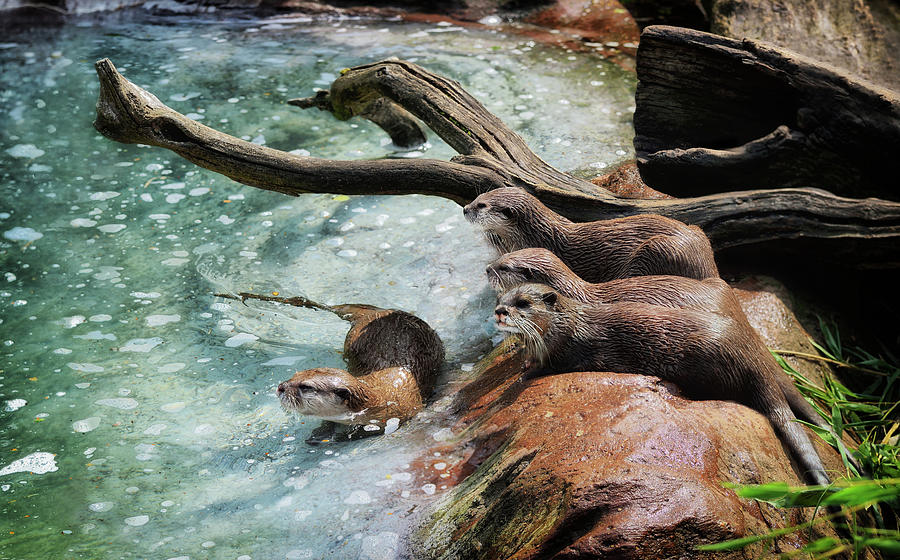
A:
(73, 321)
(141, 344)
(36, 463)
(240, 339)
(29, 151)
(137, 520)
(111, 228)
(358, 497)
(155, 429)
(159, 320)
(106, 195)
(284, 361)
(22, 234)
(120, 403)
(86, 425)
(87, 368)
(13, 405)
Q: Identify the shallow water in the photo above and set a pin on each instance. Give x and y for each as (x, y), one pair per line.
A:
(137, 412)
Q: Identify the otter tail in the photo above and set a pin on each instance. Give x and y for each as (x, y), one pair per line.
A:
(777, 410)
(349, 312)
(805, 411)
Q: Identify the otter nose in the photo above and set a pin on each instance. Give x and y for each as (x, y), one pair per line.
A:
(466, 210)
(281, 388)
(500, 313)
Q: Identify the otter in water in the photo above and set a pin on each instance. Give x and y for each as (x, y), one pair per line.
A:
(642, 245)
(710, 294)
(707, 355)
(392, 356)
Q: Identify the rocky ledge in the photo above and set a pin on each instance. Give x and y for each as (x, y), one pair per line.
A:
(593, 464)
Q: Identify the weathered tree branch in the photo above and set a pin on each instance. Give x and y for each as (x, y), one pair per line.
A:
(715, 114)
(491, 156)
(392, 118)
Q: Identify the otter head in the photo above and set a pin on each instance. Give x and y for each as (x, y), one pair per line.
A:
(529, 310)
(504, 215)
(526, 266)
(328, 393)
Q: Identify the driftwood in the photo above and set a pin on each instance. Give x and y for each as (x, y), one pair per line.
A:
(715, 114)
(491, 156)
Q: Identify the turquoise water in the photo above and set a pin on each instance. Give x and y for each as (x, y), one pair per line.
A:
(137, 411)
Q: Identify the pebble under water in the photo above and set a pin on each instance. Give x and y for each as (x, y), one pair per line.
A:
(137, 411)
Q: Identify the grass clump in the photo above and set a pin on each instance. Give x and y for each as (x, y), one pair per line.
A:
(868, 492)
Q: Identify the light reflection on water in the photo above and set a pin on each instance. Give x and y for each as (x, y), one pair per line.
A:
(155, 398)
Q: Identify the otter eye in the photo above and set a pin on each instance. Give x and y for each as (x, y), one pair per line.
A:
(502, 268)
(523, 304)
(506, 212)
(481, 205)
(526, 272)
(342, 394)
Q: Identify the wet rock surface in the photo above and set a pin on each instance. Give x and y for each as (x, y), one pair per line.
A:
(593, 464)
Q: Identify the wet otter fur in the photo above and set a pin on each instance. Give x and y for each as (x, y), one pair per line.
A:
(392, 357)
(600, 251)
(707, 355)
(710, 294)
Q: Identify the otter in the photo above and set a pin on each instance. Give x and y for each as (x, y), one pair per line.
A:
(707, 355)
(642, 245)
(392, 357)
(540, 266)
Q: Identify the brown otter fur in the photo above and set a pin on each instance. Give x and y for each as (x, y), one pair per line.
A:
(599, 251)
(710, 294)
(708, 355)
(392, 359)
(392, 356)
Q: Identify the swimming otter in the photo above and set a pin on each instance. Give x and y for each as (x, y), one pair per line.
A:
(599, 251)
(708, 355)
(392, 357)
(710, 294)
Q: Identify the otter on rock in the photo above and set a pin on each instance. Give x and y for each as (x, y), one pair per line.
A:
(392, 357)
(540, 266)
(707, 355)
(642, 245)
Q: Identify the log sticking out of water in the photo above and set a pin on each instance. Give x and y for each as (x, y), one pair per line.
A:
(861, 232)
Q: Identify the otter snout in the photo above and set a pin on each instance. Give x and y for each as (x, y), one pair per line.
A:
(500, 314)
(282, 387)
(470, 211)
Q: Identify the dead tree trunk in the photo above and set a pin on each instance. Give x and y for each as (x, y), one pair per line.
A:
(714, 114)
(491, 156)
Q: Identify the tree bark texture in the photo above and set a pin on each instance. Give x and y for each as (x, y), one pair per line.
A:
(491, 156)
(715, 114)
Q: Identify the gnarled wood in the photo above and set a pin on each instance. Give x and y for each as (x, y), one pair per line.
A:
(491, 156)
(714, 114)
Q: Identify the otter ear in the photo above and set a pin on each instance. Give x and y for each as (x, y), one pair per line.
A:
(549, 297)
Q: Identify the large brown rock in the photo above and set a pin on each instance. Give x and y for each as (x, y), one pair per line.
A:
(593, 464)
